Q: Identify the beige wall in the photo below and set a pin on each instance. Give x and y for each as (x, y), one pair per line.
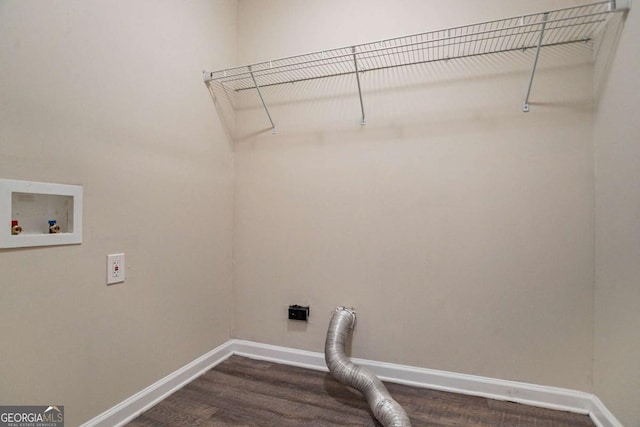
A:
(460, 228)
(617, 292)
(108, 95)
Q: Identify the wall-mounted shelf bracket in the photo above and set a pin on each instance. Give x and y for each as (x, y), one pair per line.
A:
(357, 72)
(525, 106)
(253, 77)
(619, 5)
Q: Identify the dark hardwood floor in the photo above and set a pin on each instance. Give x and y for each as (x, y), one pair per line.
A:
(245, 392)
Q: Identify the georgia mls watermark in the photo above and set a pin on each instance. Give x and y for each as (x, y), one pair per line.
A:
(31, 416)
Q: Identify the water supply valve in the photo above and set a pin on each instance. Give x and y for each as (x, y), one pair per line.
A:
(15, 228)
(53, 227)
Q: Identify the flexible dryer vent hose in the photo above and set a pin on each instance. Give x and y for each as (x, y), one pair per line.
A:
(386, 410)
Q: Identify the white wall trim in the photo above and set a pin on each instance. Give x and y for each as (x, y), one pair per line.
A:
(529, 394)
(133, 406)
(601, 416)
(285, 355)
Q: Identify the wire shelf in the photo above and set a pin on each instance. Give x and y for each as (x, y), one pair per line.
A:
(557, 27)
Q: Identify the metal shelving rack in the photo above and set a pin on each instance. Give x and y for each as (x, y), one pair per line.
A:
(563, 26)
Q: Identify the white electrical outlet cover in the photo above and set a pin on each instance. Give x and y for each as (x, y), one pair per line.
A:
(115, 268)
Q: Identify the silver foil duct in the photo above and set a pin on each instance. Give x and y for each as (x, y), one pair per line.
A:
(384, 408)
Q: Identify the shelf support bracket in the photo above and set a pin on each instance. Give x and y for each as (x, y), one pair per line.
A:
(255, 83)
(355, 64)
(525, 106)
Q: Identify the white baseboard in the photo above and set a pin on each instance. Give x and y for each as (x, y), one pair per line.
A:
(130, 408)
(529, 394)
(285, 355)
(601, 416)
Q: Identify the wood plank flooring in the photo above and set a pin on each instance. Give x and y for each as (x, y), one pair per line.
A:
(246, 392)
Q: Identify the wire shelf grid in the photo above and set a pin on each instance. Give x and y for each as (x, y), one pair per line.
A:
(578, 24)
(570, 25)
